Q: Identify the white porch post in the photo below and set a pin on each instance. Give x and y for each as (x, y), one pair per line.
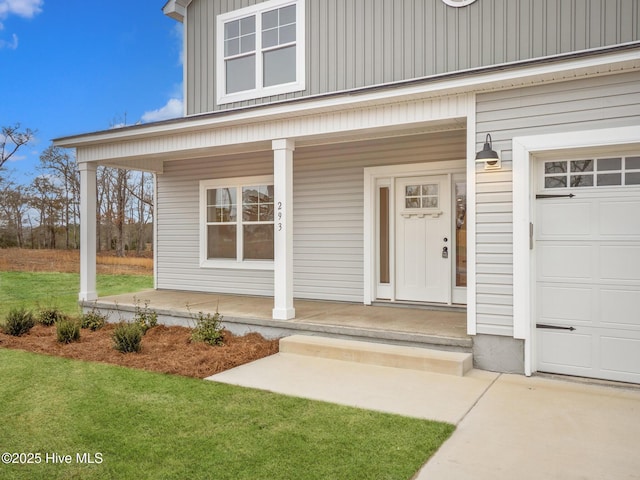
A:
(88, 190)
(283, 229)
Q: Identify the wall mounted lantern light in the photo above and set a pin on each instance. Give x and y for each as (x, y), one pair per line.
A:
(489, 156)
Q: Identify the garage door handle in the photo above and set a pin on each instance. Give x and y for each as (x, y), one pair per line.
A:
(554, 327)
(570, 195)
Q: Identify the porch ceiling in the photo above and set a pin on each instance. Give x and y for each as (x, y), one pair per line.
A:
(150, 151)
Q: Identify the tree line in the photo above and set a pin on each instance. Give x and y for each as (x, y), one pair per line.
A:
(45, 213)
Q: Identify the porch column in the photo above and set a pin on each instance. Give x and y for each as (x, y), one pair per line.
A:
(88, 190)
(283, 229)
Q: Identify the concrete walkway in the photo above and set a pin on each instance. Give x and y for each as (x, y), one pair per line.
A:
(508, 426)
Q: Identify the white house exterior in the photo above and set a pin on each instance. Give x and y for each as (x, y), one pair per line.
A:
(346, 134)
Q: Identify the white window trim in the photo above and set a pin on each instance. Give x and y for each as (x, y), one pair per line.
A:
(260, 91)
(238, 263)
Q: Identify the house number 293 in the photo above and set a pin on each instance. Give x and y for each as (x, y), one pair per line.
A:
(280, 215)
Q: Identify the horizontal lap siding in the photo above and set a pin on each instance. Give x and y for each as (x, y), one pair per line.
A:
(329, 207)
(600, 102)
(179, 229)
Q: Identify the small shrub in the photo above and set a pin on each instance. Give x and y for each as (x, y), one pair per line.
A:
(67, 330)
(49, 316)
(145, 317)
(93, 320)
(127, 337)
(18, 322)
(208, 329)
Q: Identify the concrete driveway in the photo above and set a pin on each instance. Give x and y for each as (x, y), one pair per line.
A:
(538, 428)
(508, 426)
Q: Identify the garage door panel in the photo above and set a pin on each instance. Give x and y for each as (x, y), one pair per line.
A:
(562, 261)
(557, 303)
(620, 262)
(611, 213)
(570, 350)
(620, 355)
(620, 307)
(589, 352)
(570, 219)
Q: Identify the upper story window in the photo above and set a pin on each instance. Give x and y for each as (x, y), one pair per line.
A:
(260, 51)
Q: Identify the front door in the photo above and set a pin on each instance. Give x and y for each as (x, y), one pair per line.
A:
(423, 246)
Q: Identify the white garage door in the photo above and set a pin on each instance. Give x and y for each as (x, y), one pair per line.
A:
(588, 268)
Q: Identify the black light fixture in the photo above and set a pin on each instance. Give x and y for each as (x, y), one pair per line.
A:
(488, 155)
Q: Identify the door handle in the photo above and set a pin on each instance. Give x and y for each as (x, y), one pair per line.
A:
(554, 327)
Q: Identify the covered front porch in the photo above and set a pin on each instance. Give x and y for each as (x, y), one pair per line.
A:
(325, 215)
(402, 325)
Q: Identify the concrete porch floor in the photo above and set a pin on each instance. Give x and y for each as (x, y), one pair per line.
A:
(408, 325)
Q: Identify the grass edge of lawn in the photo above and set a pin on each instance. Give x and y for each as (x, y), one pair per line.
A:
(35, 290)
(168, 426)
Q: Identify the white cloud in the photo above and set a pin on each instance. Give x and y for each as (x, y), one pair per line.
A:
(21, 8)
(10, 44)
(17, 158)
(173, 109)
(178, 34)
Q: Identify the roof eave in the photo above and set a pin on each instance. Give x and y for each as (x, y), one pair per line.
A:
(478, 80)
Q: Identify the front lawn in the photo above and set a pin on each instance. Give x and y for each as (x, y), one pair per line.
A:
(148, 425)
(46, 289)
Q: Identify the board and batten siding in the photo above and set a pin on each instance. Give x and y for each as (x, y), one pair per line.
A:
(599, 102)
(359, 43)
(328, 209)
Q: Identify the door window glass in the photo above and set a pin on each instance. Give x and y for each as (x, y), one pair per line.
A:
(384, 235)
(422, 196)
(461, 233)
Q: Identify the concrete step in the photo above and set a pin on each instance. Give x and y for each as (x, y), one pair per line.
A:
(414, 358)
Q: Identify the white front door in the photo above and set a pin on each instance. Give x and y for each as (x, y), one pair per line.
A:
(423, 243)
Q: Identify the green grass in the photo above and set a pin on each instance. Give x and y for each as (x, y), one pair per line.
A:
(148, 425)
(45, 289)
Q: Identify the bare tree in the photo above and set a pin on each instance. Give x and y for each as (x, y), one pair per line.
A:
(113, 198)
(46, 199)
(141, 190)
(62, 166)
(121, 190)
(14, 204)
(11, 139)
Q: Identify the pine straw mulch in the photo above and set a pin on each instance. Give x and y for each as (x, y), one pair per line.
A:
(164, 349)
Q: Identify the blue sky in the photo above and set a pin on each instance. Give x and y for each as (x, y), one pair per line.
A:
(77, 66)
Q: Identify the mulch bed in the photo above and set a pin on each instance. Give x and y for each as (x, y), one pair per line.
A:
(164, 349)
